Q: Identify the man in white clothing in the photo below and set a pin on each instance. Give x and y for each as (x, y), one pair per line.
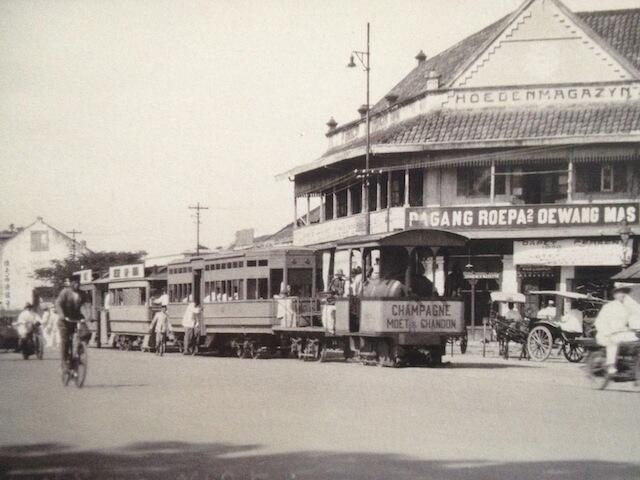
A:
(612, 326)
(548, 312)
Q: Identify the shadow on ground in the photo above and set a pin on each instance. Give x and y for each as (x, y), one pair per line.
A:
(176, 460)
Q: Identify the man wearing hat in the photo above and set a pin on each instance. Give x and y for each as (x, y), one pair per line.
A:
(549, 312)
(612, 326)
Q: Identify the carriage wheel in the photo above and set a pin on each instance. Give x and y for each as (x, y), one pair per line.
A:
(572, 352)
(597, 369)
(539, 343)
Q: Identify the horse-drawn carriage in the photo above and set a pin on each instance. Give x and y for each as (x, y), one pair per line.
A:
(544, 333)
(507, 328)
(538, 336)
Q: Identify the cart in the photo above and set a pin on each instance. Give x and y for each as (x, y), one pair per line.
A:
(508, 331)
(545, 333)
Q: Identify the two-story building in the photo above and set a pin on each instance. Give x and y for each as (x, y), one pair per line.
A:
(29, 249)
(524, 136)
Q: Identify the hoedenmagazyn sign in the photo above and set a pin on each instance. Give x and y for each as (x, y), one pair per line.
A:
(515, 216)
(425, 316)
(568, 252)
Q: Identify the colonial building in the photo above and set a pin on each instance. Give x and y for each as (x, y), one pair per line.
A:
(524, 136)
(31, 248)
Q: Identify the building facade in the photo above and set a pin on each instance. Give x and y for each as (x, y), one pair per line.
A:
(31, 248)
(525, 137)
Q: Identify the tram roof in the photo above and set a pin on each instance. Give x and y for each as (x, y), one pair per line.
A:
(414, 237)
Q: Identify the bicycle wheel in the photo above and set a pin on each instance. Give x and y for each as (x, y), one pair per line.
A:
(81, 365)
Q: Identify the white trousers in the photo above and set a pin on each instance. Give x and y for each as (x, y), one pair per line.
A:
(613, 341)
(329, 317)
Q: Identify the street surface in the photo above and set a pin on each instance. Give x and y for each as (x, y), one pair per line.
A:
(142, 416)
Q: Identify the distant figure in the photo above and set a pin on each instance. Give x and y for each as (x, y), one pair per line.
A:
(161, 326)
(50, 327)
(513, 315)
(189, 324)
(337, 285)
(421, 285)
(356, 283)
(162, 300)
(25, 322)
(572, 320)
(548, 312)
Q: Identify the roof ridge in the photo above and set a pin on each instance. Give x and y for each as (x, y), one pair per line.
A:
(611, 10)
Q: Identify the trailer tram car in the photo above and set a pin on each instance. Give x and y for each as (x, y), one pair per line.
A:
(238, 292)
(132, 289)
(392, 321)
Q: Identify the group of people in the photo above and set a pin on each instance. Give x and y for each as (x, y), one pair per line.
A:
(30, 317)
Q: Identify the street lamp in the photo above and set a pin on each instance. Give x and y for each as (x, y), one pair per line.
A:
(625, 236)
(471, 277)
(364, 59)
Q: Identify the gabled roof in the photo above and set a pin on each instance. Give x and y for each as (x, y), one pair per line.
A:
(446, 64)
(619, 30)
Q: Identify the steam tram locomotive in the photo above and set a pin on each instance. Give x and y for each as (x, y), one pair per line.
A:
(260, 302)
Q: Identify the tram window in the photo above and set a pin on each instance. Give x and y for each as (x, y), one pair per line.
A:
(228, 264)
(263, 263)
(251, 263)
(240, 264)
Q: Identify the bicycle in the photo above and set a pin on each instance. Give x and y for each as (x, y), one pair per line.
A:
(77, 368)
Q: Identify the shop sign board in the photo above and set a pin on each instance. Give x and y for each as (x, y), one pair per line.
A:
(522, 216)
(404, 316)
(568, 252)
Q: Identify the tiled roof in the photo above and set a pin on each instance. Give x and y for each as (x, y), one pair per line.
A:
(619, 28)
(446, 63)
(450, 126)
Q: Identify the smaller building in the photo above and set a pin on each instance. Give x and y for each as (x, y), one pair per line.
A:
(22, 254)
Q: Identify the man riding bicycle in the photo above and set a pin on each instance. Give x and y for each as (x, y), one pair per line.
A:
(68, 306)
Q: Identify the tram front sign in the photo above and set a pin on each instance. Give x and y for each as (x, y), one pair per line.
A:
(523, 216)
(402, 316)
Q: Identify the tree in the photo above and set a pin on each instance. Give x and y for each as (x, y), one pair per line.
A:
(99, 262)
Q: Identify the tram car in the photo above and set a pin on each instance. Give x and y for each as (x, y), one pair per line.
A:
(133, 291)
(238, 294)
(259, 302)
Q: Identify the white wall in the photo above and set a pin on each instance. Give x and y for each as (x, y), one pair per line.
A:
(19, 263)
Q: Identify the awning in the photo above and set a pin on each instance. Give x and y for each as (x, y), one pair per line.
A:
(419, 237)
(630, 274)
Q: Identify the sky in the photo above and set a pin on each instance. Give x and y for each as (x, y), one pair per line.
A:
(116, 116)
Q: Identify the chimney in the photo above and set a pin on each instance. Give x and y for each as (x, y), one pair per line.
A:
(363, 111)
(332, 124)
(391, 99)
(433, 80)
(421, 57)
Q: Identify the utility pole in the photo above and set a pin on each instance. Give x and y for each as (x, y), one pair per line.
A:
(197, 208)
(73, 234)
